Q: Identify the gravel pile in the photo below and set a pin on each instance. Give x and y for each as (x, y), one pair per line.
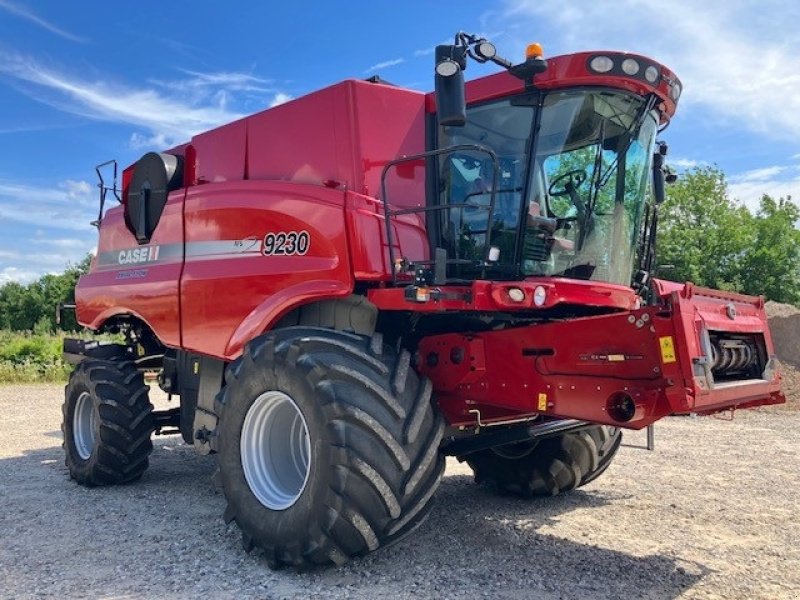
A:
(784, 324)
(712, 513)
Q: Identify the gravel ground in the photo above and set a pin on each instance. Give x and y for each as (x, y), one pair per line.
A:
(712, 513)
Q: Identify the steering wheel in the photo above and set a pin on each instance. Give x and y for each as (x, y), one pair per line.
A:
(571, 181)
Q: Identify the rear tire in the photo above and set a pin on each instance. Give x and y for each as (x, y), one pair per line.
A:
(107, 423)
(352, 459)
(552, 466)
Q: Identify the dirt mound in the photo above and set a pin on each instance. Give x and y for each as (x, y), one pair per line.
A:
(784, 323)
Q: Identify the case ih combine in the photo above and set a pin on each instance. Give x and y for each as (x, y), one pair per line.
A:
(346, 288)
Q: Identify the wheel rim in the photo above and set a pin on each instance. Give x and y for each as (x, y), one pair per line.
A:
(84, 422)
(275, 450)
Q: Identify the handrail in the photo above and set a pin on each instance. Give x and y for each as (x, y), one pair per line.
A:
(388, 214)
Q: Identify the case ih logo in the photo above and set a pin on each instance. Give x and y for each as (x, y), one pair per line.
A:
(138, 255)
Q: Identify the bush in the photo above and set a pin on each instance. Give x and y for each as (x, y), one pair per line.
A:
(32, 357)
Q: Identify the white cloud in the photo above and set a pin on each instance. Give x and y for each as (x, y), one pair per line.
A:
(214, 87)
(174, 118)
(385, 64)
(39, 257)
(143, 142)
(69, 206)
(740, 60)
(28, 15)
(62, 244)
(776, 181)
(279, 98)
(76, 189)
(230, 80)
(763, 174)
(9, 274)
(684, 163)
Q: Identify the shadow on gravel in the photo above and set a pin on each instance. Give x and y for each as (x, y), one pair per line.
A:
(475, 534)
(164, 535)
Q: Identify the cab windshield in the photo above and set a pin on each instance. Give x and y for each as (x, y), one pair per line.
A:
(567, 203)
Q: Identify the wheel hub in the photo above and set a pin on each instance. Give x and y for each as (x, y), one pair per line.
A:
(84, 422)
(275, 450)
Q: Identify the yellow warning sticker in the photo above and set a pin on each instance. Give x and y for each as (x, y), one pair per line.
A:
(542, 401)
(667, 349)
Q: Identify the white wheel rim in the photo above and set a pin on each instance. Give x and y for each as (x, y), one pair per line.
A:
(275, 450)
(84, 421)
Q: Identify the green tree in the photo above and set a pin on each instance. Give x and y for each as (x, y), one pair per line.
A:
(33, 306)
(772, 265)
(712, 240)
(704, 234)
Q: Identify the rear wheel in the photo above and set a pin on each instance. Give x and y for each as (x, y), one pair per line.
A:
(107, 423)
(328, 446)
(550, 466)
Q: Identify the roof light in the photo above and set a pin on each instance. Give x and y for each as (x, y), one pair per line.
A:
(534, 50)
(630, 66)
(539, 295)
(651, 74)
(601, 64)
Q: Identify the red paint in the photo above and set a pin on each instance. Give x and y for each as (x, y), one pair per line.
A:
(579, 364)
(229, 300)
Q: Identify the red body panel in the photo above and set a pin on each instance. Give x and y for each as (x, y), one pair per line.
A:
(230, 290)
(580, 368)
(147, 289)
(245, 181)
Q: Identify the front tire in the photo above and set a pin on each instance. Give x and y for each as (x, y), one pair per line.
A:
(548, 467)
(328, 446)
(107, 423)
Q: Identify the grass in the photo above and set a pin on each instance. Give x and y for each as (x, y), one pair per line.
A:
(32, 357)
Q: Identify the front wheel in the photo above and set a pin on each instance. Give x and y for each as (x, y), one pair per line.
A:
(328, 447)
(107, 423)
(548, 467)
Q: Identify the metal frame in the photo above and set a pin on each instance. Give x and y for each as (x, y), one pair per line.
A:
(427, 209)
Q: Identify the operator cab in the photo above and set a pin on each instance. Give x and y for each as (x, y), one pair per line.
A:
(571, 187)
(549, 176)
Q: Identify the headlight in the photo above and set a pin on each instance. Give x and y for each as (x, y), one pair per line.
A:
(516, 294)
(539, 295)
(675, 91)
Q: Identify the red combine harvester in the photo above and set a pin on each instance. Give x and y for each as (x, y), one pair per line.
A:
(346, 288)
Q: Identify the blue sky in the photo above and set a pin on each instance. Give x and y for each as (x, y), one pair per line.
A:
(81, 83)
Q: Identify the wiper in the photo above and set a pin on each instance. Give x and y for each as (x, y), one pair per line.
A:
(586, 214)
(597, 177)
